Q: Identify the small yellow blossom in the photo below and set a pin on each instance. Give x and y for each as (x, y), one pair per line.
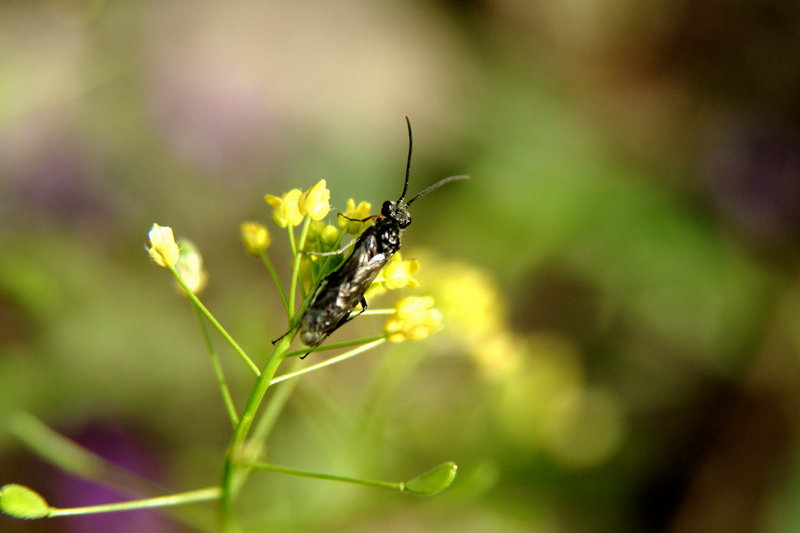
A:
(324, 234)
(356, 213)
(397, 273)
(414, 319)
(286, 210)
(315, 202)
(190, 267)
(255, 237)
(161, 246)
(329, 235)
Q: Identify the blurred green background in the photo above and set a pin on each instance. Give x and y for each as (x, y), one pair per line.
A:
(619, 278)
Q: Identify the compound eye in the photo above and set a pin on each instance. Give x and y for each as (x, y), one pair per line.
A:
(386, 210)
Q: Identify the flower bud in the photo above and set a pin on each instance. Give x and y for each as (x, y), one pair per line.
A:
(190, 267)
(255, 237)
(19, 501)
(162, 247)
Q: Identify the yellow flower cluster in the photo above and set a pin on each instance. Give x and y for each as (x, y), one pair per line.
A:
(543, 398)
(414, 319)
(474, 306)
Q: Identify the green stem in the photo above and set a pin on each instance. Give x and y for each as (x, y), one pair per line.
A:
(331, 361)
(218, 372)
(398, 485)
(292, 243)
(200, 495)
(206, 313)
(230, 481)
(274, 274)
(273, 409)
(298, 250)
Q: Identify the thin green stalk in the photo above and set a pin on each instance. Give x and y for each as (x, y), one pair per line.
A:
(206, 313)
(392, 485)
(298, 250)
(77, 460)
(273, 409)
(331, 361)
(218, 372)
(193, 496)
(292, 243)
(336, 345)
(72, 457)
(268, 263)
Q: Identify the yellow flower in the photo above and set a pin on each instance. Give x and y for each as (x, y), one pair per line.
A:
(286, 210)
(414, 319)
(397, 273)
(255, 237)
(315, 202)
(162, 247)
(190, 267)
(356, 212)
(471, 300)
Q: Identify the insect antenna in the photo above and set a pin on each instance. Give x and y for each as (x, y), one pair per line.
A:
(436, 185)
(408, 161)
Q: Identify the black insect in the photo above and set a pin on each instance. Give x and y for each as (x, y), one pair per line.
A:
(338, 294)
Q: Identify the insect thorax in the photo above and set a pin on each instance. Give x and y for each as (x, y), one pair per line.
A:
(388, 235)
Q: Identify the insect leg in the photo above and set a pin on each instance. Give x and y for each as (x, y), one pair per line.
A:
(351, 316)
(363, 303)
(335, 252)
(291, 329)
(357, 219)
